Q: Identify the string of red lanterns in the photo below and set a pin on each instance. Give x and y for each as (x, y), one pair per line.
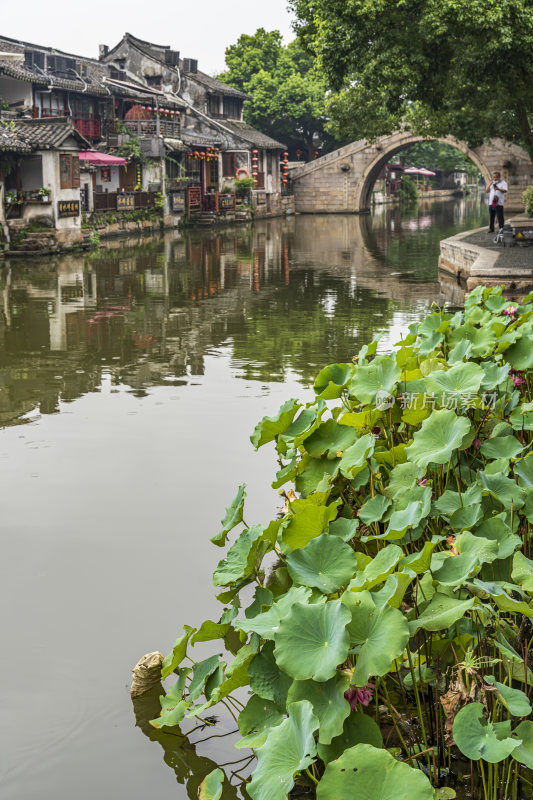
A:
(285, 168)
(255, 163)
(210, 154)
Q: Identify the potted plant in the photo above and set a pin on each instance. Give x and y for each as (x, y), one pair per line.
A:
(44, 194)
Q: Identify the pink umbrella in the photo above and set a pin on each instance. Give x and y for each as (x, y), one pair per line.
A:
(424, 171)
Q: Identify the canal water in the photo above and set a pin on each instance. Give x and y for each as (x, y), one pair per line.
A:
(130, 381)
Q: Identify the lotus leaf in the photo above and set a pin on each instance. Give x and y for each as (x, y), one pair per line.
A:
(211, 630)
(256, 720)
(374, 509)
(270, 427)
(495, 528)
(501, 447)
(455, 570)
(326, 562)
(394, 589)
(380, 634)
(419, 562)
(232, 517)
(365, 772)
(522, 573)
(345, 529)
(485, 550)
(240, 560)
(267, 623)
(513, 699)
(463, 378)
(520, 354)
(377, 570)
(356, 455)
(328, 701)
(477, 737)
(312, 640)
(178, 653)
(330, 438)
(502, 599)
(440, 434)
(211, 786)
(202, 671)
(441, 612)
(402, 478)
(359, 728)
(503, 489)
(524, 470)
(466, 517)
(524, 751)
(332, 380)
(313, 472)
(522, 418)
(266, 678)
(290, 747)
(460, 352)
(495, 375)
(405, 518)
(307, 524)
(380, 376)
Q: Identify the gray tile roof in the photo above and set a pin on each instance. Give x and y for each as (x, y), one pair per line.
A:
(25, 135)
(215, 86)
(252, 135)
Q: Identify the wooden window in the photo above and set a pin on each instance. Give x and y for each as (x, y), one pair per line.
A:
(212, 174)
(69, 171)
(232, 107)
(228, 165)
(213, 105)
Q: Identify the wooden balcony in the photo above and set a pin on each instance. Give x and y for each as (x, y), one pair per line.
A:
(122, 201)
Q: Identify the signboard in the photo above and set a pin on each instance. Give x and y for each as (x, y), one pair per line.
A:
(177, 200)
(195, 195)
(125, 202)
(260, 198)
(68, 208)
(226, 201)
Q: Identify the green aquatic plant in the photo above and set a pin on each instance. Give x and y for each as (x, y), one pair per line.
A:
(389, 629)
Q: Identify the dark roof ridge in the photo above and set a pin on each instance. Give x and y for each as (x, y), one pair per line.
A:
(52, 50)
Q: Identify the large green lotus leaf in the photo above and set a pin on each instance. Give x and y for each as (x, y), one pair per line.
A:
(381, 375)
(528, 507)
(402, 478)
(466, 517)
(495, 374)
(303, 425)
(202, 671)
(312, 640)
(441, 612)
(266, 678)
(359, 728)
(270, 427)
(173, 706)
(211, 786)
(448, 503)
(420, 561)
(501, 447)
(460, 352)
(502, 599)
(378, 569)
(524, 751)
(503, 489)
(514, 700)
(440, 434)
(331, 381)
(289, 748)
(241, 557)
(326, 562)
(256, 720)
(267, 623)
(330, 438)
(485, 550)
(344, 529)
(307, 524)
(211, 630)
(328, 701)
(496, 529)
(232, 517)
(365, 772)
(463, 378)
(522, 417)
(524, 470)
(477, 737)
(455, 570)
(374, 509)
(355, 456)
(407, 517)
(394, 589)
(177, 655)
(520, 354)
(236, 674)
(262, 598)
(379, 633)
(522, 573)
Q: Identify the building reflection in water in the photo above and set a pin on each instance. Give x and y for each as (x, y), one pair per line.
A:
(282, 296)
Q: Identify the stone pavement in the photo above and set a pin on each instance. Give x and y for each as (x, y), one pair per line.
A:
(520, 256)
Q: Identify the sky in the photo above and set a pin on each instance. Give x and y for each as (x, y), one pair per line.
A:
(200, 29)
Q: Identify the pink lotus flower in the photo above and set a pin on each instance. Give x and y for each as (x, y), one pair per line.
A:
(423, 482)
(476, 444)
(359, 694)
(518, 381)
(510, 311)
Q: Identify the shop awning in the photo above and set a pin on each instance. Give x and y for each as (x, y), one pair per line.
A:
(97, 159)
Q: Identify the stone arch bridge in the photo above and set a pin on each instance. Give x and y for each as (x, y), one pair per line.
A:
(341, 181)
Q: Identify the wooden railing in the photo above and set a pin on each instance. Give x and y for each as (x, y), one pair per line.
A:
(107, 201)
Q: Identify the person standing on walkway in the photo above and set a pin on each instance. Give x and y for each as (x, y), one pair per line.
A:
(497, 190)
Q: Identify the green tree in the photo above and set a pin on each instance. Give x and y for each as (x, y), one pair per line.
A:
(459, 67)
(287, 90)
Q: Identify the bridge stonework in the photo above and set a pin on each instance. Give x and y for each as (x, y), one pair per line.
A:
(341, 182)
